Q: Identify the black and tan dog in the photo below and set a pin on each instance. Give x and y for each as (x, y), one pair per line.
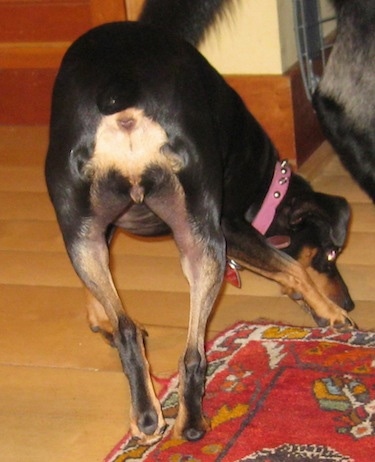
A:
(345, 99)
(145, 135)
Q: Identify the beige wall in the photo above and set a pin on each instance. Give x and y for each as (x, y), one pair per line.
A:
(256, 38)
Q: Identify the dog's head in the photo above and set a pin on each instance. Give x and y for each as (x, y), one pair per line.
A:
(316, 225)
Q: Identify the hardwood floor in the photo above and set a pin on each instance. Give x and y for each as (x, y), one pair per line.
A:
(63, 396)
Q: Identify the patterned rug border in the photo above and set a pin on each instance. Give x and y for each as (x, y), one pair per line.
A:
(279, 332)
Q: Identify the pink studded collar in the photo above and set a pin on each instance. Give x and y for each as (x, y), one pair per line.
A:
(276, 193)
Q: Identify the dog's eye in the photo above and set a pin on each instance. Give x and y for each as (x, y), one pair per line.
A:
(333, 254)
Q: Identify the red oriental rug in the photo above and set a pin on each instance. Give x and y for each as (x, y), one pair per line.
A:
(277, 393)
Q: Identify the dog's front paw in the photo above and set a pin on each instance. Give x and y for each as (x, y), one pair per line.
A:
(334, 317)
(337, 317)
(343, 322)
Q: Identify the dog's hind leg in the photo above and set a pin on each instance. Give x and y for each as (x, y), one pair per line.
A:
(88, 250)
(203, 264)
(202, 251)
(249, 248)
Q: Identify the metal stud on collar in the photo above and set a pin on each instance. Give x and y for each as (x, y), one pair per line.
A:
(283, 180)
(284, 166)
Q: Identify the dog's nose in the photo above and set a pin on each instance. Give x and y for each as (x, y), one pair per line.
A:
(343, 299)
(340, 294)
(349, 305)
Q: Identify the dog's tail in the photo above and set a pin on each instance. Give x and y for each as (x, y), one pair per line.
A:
(189, 19)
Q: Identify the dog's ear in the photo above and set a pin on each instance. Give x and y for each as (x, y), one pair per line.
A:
(338, 211)
(329, 214)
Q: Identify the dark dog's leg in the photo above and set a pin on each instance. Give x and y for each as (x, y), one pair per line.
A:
(246, 246)
(89, 255)
(202, 253)
(344, 100)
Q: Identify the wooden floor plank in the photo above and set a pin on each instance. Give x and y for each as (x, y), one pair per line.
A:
(23, 145)
(363, 218)
(22, 179)
(341, 186)
(25, 206)
(60, 414)
(359, 250)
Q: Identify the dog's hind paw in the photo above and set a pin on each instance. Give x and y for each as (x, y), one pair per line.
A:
(148, 438)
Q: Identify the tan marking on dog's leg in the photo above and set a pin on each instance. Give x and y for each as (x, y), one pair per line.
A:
(143, 439)
(181, 418)
(96, 315)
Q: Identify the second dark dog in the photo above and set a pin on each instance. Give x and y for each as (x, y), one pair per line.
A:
(345, 99)
(145, 135)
